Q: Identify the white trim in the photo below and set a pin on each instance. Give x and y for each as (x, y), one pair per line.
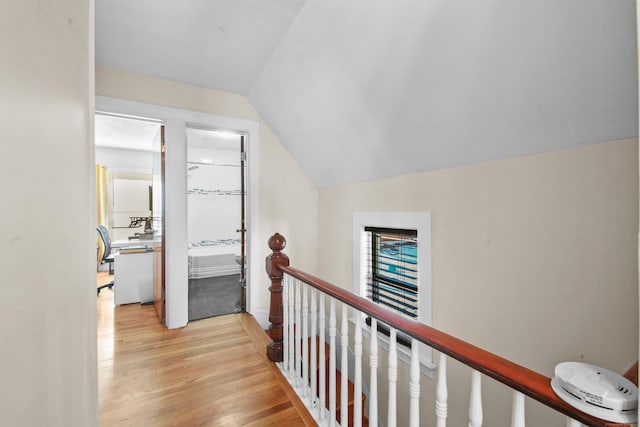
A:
(420, 221)
(262, 317)
(175, 121)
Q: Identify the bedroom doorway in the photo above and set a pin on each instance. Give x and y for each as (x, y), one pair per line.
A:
(129, 197)
(215, 222)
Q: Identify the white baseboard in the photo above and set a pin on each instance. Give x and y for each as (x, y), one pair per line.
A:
(262, 317)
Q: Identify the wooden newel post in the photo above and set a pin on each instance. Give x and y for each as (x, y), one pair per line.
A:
(273, 262)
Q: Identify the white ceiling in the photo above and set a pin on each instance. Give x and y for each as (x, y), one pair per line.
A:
(124, 133)
(221, 44)
(363, 89)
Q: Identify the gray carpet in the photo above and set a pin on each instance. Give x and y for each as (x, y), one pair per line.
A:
(214, 296)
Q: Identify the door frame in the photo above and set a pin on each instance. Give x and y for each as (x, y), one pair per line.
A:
(175, 121)
(159, 259)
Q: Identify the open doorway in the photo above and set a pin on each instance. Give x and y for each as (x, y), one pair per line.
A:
(176, 122)
(215, 222)
(129, 191)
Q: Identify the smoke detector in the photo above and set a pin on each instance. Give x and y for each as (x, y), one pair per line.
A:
(596, 391)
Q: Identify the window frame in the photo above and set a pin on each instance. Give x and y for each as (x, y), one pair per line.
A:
(421, 222)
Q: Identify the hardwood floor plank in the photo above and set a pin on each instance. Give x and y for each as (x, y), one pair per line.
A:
(210, 373)
(260, 339)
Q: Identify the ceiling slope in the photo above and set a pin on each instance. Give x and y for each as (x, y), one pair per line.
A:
(217, 44)
(362, 89)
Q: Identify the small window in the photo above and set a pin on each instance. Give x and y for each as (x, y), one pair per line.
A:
(392, 276)
(392, 272)
(392, 267)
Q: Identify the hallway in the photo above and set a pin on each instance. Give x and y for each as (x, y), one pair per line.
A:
(211, 373)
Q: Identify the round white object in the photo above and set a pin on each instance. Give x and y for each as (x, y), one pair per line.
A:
(596, 391)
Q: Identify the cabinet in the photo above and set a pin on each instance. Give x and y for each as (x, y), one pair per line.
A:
(133, 276)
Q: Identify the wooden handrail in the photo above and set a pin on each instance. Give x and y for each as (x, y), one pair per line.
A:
(528, 382)
(632, 374)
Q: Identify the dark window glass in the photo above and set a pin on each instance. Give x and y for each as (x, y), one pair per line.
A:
(392, 271)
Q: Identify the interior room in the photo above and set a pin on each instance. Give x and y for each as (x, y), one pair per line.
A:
(215, 206)
(124, 148)
(131, 227)
(511, 126)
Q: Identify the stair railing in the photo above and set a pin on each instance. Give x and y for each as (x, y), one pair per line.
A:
(289, 317)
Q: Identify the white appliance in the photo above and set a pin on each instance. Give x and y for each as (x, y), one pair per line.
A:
(596, 391)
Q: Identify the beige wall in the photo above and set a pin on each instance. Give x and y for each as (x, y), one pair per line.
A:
(48, 372)
(638, 43)
(528, 253)
(534, 259)
(288, 199)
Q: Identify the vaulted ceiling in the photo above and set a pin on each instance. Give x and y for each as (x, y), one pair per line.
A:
(360, 89)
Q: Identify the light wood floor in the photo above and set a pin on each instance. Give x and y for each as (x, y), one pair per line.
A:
(211, 373)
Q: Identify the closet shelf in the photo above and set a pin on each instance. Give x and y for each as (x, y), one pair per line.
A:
(204, 192)
(198, 164)
(219, 242)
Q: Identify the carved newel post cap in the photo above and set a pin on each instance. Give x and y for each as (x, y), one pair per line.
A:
(277, 242)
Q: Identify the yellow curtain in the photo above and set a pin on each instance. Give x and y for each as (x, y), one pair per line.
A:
(101, 196)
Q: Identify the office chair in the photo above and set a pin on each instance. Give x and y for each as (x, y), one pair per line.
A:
(106, 256)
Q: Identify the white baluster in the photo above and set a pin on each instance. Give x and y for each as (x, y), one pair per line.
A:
(321, 358)
(296, 339)
(292, 338)
(517, 412)
(414, 385)
(344, 366)
(314, 350)
(285, 324)
(442, 393)
(332, 362)
(357, 374)
(393, 378)
(305, 339)
(573, 423)
(373, 374)
(475, 402)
